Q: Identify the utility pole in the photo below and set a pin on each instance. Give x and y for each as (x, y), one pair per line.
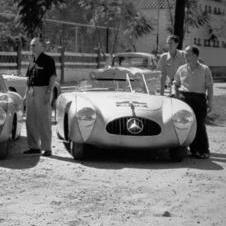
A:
(179, 21)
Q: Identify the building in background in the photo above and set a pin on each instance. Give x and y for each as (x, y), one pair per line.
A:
(211, 38)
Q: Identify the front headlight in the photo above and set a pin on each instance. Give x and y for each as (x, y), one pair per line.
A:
(86, 116)
(183, 119)
(2, 116)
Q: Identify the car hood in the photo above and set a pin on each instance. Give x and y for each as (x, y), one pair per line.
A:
(112, 104)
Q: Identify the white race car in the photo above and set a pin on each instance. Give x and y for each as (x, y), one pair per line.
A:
(115, 109)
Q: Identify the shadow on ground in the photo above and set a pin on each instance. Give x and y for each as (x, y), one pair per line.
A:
(16, 159)
(141, 159)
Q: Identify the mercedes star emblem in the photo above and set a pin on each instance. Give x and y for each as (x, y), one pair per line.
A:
(135, 126)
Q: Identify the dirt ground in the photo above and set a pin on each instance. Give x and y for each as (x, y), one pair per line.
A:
(117, 188)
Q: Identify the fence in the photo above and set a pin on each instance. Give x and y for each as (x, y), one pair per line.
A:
(76, 37)
(18, 61)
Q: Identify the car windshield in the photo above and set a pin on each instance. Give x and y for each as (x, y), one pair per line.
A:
(126, 83)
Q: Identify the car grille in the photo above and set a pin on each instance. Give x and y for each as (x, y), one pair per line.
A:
(120, 127)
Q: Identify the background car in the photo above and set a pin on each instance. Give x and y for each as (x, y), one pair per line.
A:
(18, 83)
(114, 109)
(11, 116)
(135, 59)
(142, 60)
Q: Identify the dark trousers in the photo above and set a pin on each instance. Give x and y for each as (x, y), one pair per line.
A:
(197, 102)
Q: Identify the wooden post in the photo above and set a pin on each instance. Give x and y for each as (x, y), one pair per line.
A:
(19, 57)
(62, 50)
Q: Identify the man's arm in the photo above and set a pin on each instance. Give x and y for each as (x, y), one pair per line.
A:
(209, 89)
(161, 67)
(210, 98)
(162, 82)
(52, 80)
(176, 84)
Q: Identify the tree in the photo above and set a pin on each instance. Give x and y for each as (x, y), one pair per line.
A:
(10, 33)
(121, 15)
(31, 13)
(187, 12)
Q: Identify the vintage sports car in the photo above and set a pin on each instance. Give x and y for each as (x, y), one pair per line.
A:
(18, 83)
(114, 109)
(11, 113)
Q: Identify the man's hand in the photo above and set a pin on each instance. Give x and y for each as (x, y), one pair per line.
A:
(47, 97)
(209, 108)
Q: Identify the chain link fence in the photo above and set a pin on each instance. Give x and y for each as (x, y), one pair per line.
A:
(75, 37)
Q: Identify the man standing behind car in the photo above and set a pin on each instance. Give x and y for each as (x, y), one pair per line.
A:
(193, 83)
(170, 61)
(41, 75)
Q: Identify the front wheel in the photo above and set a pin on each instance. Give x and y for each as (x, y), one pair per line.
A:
(177, 154)
(4, 149)
(78, 150)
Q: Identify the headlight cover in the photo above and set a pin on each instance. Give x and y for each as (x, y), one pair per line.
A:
(86, 116)
(2, 116)
(183, 119)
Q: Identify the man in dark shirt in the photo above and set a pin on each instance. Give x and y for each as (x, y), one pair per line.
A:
(41, 75)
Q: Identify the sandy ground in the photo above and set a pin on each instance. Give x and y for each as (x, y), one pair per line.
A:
(116, 188)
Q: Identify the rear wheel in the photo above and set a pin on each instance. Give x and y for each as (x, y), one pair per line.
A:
(4, 149)
(177, 154)
(78, 150)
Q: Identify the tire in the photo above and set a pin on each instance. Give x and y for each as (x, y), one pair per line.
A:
(78, 151)
(67, 142)
(14, 127)
(4, 149)
(177, 154)
(67, 145)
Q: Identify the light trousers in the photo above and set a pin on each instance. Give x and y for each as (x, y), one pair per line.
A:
(38, 118)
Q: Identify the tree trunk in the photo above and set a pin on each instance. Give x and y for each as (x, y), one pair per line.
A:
(179, 21)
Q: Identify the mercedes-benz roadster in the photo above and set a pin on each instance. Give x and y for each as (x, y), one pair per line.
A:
(11, 113)
(114, 109)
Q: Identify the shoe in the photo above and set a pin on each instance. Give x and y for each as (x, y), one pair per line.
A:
(203, 155)
(33, 151)
(47, 153)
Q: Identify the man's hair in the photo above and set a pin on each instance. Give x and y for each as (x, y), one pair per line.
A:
(175, 38)
(194, 49)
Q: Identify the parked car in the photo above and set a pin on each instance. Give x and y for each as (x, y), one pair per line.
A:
(135, 59)
(145, 61)
(18, 83)
(114, 108)
(11, 113)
